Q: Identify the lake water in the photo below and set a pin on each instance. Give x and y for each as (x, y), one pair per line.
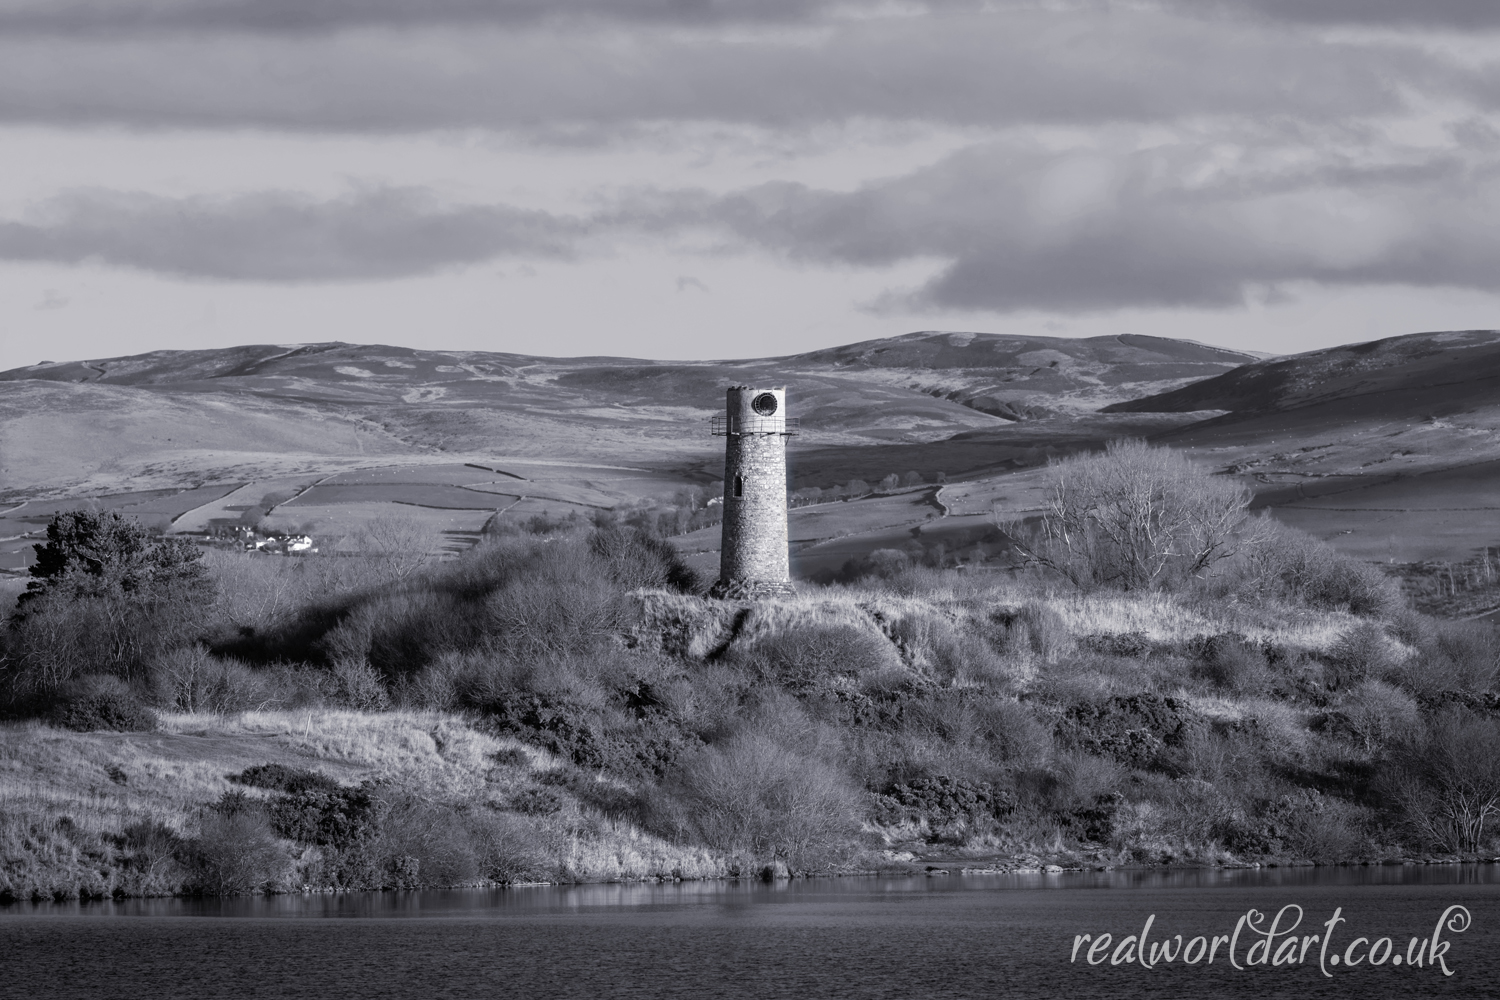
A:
(906, 938)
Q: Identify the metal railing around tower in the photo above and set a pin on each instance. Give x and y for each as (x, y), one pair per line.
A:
(727, 425)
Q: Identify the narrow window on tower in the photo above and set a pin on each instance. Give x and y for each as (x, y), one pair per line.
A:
(739, 486)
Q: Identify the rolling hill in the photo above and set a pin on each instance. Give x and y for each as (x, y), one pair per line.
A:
(1388, 449)
(331, 435)
(170, 418)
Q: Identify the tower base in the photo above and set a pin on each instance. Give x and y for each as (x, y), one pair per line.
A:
(750, 590)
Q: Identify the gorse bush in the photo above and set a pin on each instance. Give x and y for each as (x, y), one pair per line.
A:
(281, 778)
(951, 808)
(101, 703)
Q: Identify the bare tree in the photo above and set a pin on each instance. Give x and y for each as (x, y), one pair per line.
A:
(396, 545)
(1135, 517)
(1447, 782)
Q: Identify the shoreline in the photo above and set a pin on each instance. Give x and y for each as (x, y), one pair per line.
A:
(929, 871)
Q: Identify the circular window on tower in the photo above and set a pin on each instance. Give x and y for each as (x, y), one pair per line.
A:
(764, 404)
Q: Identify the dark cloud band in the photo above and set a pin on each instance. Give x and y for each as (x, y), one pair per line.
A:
(294, 17)
(968, 70)
(1077, 231)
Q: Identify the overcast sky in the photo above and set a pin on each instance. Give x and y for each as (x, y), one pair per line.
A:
(696, 179)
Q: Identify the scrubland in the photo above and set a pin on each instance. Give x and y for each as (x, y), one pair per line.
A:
(565, 705)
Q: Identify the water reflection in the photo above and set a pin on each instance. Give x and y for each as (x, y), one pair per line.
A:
(727, 896)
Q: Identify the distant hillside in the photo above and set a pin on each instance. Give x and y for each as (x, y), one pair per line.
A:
(1010, 377)
(1389, 449)
(171, 417)
(1421, 373)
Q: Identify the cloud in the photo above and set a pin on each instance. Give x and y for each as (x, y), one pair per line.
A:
(318, 16)
(305, 17)
(1103, 225)
(1166, 225)
(990, 70)
(281, 237)
(1426, 13)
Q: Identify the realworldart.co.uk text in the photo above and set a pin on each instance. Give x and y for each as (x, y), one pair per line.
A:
(1260, 940)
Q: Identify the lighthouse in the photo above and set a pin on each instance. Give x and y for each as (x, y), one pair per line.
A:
(753, 561)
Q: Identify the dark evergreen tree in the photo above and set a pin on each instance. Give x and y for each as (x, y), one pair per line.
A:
(92, 554)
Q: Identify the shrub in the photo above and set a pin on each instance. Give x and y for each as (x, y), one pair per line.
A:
(1035, 627)
(936, 643)
(755, 798)
(1373, 716)
(803, 654)
(1445, 781)
(1231, 662)
(191, 679)
(520, 597)
(1012, 732)
(357, 686)
(1136, 518)
(1077, 791)
(953, 808)
(578, 722)
(511, 848)
(235, 851)
(1290, 565)
(561, 613)
(152, 849)
(102, 703)
(1361, 653)
(421, 844)
(1133, 729)
(337, 817)
(1460, 657)
(282, 778)
(633, 559)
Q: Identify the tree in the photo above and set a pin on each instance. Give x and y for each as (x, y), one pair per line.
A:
(394, 546)
(1446, 780)
(1135, 518)
(92, 554)
(105, 597)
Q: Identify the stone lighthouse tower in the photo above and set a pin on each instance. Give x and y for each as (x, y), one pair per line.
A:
(753, 559)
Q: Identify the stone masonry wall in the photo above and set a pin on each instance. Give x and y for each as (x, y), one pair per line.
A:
(754, 550)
